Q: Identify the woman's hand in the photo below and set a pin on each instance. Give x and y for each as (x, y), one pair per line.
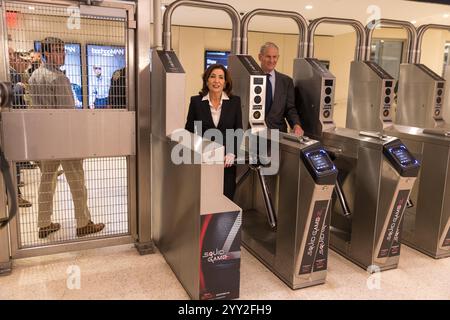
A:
(229, 160)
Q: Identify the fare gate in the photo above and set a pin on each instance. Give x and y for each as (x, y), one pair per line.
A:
(71, 148)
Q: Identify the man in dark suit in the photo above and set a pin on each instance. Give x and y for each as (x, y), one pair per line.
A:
(280, 94)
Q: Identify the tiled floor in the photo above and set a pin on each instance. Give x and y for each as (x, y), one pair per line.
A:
(121, 273)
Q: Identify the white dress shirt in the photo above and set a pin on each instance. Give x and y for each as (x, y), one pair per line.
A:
(215, 113)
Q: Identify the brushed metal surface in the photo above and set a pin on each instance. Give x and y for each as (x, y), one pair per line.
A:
(424, 222)
(309, 77)
(294, 194)
(446, 106)
(366, 178)
(366, 99)
(68, 134)
(243, 86)
(417, 98)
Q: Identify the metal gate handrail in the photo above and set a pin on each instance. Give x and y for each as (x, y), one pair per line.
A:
(420, 33)
(359, 29)
(408, 26)
(234, 15)
(298, 18)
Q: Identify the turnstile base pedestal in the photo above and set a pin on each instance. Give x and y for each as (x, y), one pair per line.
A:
(358, 263)
(5, 268)
(145, 247)
(432, 254)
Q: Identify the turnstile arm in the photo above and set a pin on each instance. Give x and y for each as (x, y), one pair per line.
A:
(267, 200)
(341, 197)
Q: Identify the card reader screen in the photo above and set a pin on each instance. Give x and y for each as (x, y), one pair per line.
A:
(258, 80)
(403, 156)
(320, 161)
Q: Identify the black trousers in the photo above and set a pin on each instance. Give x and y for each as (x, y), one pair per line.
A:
(229, 182)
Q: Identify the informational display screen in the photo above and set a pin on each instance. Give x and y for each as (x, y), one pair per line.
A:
(102, 62)
(320, 161)
(403, 155)
(213, 57)
(71, 68)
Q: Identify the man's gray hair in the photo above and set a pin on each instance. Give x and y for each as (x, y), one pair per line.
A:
(267, 45)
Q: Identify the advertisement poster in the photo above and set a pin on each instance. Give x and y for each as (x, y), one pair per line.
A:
(102, 62)
(220, 255)
(213, 57)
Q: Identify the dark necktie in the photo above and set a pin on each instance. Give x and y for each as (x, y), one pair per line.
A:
(268, 95)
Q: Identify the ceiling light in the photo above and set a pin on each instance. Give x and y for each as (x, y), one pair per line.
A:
(308, 7)
(163, 7)
(31, 8)
(446, 15)
(413, 21)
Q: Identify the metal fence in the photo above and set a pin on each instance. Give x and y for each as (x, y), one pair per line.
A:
(59, 59)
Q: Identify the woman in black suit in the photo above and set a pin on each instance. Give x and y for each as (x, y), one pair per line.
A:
(216, 108)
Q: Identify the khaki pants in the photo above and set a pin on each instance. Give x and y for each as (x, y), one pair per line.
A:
(73, 170)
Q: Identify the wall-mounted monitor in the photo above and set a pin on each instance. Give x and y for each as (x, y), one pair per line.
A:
(213, 56)
(102, 62)
(71, 68)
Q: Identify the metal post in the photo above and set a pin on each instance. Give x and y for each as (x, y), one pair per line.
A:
(145, 243)
(299, 19)
(234, 15)
(5, 258)
(420, 33)
(359, 29)
(157, 25)
(408, 26)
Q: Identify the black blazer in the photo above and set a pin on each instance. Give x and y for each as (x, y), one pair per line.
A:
(230, 117)
(283, 105)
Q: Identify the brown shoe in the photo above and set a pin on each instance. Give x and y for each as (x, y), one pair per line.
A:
(45, 231)
(23, 203)
(90, 228)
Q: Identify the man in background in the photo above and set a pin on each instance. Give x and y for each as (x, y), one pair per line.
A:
(50, 89)
(100, 88)
(280, 94)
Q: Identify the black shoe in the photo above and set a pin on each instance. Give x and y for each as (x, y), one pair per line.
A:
(23, 203)
(45, 231)
(90, 228)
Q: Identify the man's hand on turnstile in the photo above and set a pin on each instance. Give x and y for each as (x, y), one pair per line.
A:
(298, 131)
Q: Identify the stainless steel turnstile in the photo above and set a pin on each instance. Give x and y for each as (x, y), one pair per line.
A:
(376, 172)
(286, 214)
(420, 105)
(195, 227)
